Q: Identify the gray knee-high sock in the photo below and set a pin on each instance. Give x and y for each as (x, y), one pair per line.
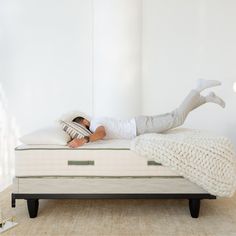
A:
(191, 102)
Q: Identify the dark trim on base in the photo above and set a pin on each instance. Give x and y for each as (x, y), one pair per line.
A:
(33, 198)
(112, 196)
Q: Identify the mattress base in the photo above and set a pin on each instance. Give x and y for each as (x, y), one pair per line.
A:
(105, 185)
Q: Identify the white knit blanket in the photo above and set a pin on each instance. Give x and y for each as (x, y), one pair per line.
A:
(203, 158)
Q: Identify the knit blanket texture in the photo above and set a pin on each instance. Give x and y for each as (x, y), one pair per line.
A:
(205, 159)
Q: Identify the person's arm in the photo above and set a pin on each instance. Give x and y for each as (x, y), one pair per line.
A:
(99, 134)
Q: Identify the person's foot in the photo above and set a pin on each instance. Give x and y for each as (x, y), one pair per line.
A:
(212, 97)
(204, 84)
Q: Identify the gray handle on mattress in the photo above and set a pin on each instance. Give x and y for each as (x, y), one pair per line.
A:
(153, 163)
(80, 163)
(91, 163)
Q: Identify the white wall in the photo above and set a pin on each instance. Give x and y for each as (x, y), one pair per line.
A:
(45, 59)
(57, 56)
(184, 40)
(117, 58)
(8, 141)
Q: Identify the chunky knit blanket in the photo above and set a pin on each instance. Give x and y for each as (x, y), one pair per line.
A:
(201, 157)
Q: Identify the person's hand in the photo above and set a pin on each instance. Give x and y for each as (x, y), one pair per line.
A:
(76, 142)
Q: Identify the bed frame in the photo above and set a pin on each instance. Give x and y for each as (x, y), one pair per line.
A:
(33, 199)
(109, 184)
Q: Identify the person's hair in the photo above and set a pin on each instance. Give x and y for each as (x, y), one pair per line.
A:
(78, 119)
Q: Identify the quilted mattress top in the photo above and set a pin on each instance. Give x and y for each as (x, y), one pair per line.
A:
(113, 144)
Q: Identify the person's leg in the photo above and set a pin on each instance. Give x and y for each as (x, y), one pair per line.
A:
(164, 122)
(212, 97)
(191, 102)
(203, 84)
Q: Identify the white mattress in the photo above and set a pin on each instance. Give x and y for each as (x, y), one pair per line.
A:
(102, 158)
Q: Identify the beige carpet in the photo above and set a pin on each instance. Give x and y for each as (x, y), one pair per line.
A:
(122, 217)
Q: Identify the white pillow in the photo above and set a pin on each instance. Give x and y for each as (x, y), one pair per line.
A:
(51, 135)
(69, 116)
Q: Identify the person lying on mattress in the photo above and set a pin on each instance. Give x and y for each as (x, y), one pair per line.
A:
(111, 128)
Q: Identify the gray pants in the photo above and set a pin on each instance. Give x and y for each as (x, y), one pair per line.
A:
(167, 121)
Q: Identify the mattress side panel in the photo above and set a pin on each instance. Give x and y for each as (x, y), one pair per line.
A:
(86, 162)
